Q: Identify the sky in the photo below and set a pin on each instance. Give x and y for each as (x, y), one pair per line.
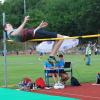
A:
(2, 1)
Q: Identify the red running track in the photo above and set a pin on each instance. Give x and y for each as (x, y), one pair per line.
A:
(86, 91)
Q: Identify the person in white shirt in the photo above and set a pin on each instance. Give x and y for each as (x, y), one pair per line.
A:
(88, 54)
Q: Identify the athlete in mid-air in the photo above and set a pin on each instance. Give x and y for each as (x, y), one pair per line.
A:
(22, 34)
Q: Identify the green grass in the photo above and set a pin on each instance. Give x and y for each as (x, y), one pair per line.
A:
(29, 65)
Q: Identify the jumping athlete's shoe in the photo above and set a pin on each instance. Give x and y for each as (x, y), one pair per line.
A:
(53, 58)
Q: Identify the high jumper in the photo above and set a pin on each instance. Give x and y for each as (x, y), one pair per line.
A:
(22, 34)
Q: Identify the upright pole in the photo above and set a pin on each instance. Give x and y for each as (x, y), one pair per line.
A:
(24, 15)
(4, 51)
(98, 39)
(24, 7)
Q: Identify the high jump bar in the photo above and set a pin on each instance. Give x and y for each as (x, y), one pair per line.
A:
(66, 37)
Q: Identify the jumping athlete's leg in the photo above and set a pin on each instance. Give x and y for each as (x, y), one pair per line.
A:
(41, 34)
(56, 45)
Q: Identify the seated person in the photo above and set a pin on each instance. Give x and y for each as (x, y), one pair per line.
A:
(98, 78)
(26, 84)
(60, 66)
(50, 69)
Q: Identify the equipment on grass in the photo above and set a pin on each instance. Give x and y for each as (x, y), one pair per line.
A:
(74, 82)
(46, 46)
(40, 83)
(59, 86)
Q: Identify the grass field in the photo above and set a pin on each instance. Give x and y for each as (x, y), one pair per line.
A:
(30, 65)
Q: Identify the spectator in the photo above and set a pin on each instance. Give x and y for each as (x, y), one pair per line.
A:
(88, 54)
(50, 69)
(60, 65)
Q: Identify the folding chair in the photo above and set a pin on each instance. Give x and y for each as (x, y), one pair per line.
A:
(47, 76)
(68, 68)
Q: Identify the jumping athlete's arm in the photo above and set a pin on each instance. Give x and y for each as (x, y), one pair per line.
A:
(42, 25)
(19, 29)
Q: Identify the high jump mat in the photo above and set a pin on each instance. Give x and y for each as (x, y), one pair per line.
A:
(11, 94)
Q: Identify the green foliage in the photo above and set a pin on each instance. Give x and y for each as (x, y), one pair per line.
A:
(69, 17)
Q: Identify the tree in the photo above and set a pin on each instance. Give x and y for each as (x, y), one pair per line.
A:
(70, 17)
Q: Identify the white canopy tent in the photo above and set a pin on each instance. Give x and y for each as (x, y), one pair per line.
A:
(46, 46)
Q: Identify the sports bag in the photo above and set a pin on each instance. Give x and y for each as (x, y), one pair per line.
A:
(40, 83)
(74, 82)
(98, 78)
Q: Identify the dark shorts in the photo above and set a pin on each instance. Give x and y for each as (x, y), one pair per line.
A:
(27, 34)
(42, 34)
(60, 71)
(50, 71)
